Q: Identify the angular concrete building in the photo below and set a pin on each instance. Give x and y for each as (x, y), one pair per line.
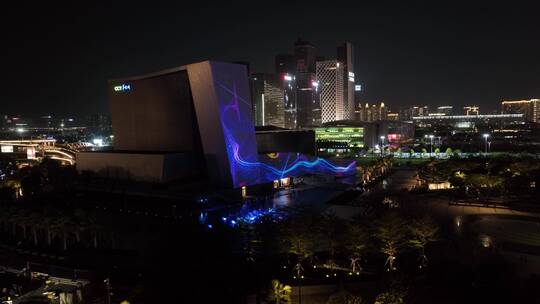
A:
(194, 120)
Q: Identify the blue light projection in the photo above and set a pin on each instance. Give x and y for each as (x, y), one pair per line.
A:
(248, 168)
(250, 218)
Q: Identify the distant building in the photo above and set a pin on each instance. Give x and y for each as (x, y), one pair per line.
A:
(273, 102)
(268, 100)
(339, 137)
(392, 116)
(257, 97)
(307, 100)
(469, 121)
(284, 64)
(330, 76)
(529, 108)
(345, 55)
(471, 110)
(446, 110)
(98, 122)
(407, 113)
(350, 136)
(374, 112)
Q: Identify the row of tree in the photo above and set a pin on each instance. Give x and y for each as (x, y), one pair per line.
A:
(51, 229)
(342, 242)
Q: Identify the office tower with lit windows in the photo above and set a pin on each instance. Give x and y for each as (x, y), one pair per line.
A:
(273, 102)
(330, 76)
(530, 108)
(268, 100)
(345, 55)
(257, 96)
(471, 110)
(445, 110)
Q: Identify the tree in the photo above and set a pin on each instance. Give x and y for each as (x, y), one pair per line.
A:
(279, 293)
(423, 231)
(391, 233)
(356, 244)
(35, 221)
(448, 151)
(332, 229)
(298, 237)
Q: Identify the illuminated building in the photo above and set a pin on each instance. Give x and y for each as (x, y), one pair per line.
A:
(345, 55)
(471, 110)
(529, 108)
(446, 110)
(374, 112)
(407, 114)
(330, 76)
(268, 100)
(349, 136)
(339, 138)
(392, 116)
(469, 121)
(285, 70)
(193, 120)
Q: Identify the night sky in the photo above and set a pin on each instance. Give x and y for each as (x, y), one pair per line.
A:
(57, 59)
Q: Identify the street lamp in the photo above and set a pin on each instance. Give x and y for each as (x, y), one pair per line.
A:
(486, 136)
(431, 136)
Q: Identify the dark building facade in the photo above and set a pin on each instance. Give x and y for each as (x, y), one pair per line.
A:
(307, 92)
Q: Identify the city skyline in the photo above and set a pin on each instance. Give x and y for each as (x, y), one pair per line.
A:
(406, 54)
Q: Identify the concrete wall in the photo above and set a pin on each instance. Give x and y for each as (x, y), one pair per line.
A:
(155, 114)
(149, 167)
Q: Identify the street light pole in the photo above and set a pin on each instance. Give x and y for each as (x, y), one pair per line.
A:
(486, 136)
(431, 145)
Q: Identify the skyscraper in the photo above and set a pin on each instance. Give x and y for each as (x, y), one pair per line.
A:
(345, 55)
(330, 76)
(336, 78)
(268, 100)
(257, 97)
(307, 101)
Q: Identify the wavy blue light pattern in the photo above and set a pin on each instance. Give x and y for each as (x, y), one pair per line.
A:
(248, 169)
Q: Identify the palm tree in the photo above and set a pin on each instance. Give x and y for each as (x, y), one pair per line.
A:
(35, 221)
(390, 232)
(423, 231)
(49, 223)
(356, 244)
(279, 293)
(92, 225)
(66, 226)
